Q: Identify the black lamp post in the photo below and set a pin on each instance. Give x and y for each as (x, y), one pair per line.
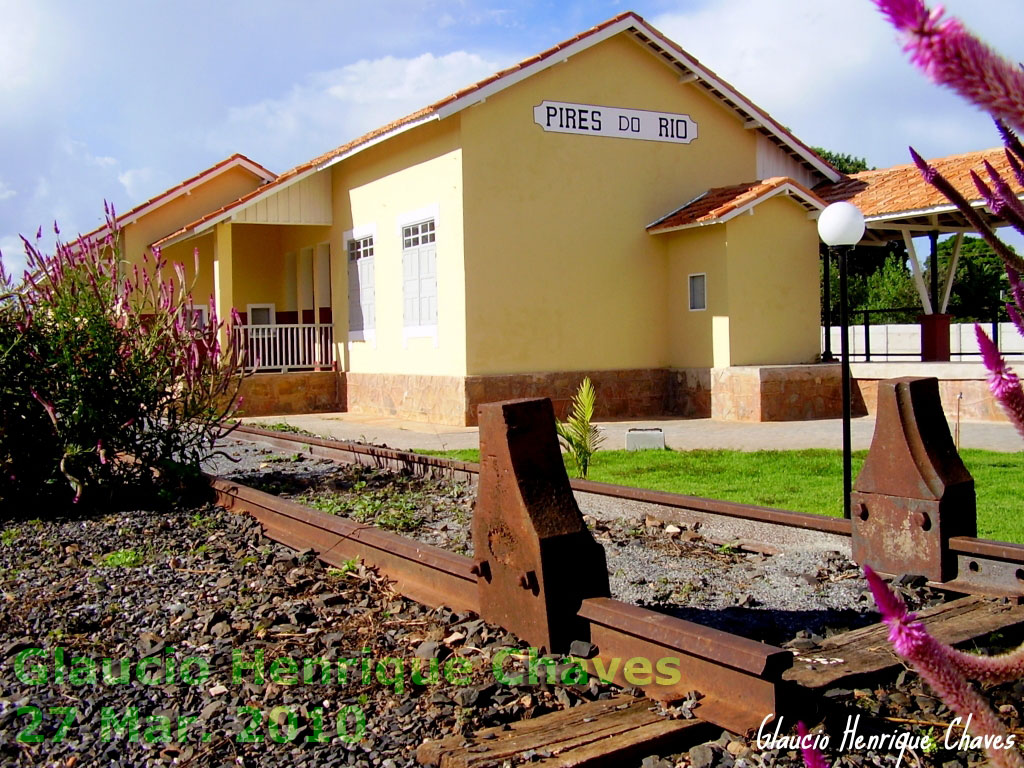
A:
(841, 226)
(826, 355)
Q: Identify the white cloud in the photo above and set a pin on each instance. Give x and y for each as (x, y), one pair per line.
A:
(35, 46)
(20, 43)
(12, 253)
(332, 107)
(137, 182)
(835, 73)
(6, 193)
(69, 187)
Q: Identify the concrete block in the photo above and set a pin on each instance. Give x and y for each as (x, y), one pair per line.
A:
(651, 439)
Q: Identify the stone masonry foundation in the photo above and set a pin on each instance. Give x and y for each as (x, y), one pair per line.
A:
(273, 394)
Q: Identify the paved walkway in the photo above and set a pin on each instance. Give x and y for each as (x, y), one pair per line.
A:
(681, 434)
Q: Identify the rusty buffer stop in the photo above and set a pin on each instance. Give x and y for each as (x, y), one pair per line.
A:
(536, 561)
(913, 493)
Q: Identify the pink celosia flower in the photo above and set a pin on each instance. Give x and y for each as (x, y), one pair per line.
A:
(47, 406)
(812, 755)
(1002, 381)
(951, 56)
(939, 665)
(937, 180)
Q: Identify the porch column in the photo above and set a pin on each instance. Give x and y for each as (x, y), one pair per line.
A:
(339, 307)
(223, 286)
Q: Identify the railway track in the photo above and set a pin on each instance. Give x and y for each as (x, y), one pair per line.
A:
(539, 573)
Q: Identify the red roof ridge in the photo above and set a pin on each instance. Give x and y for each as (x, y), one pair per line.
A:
(976, 154)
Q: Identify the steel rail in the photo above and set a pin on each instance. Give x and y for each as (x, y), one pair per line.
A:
(979, 566)
(422, 464)
(725, 668)
(369, 454)
(426, 574)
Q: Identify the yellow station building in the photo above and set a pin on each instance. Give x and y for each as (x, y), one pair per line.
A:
(609, 207)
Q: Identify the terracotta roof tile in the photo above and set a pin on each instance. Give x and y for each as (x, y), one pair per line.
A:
(716, 204)
(901, 189)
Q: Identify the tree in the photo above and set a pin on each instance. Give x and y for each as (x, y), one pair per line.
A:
(878, 278)
(890, 287)
(979, 282)
(842, 162)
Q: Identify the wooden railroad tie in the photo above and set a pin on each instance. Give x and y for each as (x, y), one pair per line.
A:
(604, 732)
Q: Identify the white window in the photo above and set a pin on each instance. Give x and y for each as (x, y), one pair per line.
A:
(260, 314)
(698, 292)
(361, 291)
(419, 279)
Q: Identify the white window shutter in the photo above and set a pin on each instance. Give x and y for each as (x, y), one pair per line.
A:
(428, 285)
(410, 287)
(367, 298)
(355, 312)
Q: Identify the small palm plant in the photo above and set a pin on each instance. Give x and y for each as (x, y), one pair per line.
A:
(580, 438)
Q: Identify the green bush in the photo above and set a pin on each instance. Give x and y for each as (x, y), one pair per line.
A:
(108, 384)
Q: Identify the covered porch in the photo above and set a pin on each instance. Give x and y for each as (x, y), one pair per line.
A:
(278, 279)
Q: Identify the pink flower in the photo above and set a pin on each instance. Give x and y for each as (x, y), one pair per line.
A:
(1002, 382)
(940, 666)
(811, 754)
(951, 56)
(47, 406)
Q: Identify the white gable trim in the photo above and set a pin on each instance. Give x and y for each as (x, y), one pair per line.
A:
(789, 190)
(748, 111)
(673, 56)
(230, 213)
(248, 165)
(522, 73)
(186, 189)
(746, 108)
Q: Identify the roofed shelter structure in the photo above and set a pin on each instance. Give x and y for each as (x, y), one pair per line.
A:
(899, 204)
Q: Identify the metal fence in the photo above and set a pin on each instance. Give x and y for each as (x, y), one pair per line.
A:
(887, 342)
(287, 347)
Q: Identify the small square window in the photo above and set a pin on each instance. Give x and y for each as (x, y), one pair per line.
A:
(698, 294)
(360, 249)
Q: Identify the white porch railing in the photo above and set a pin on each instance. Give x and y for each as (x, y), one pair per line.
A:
(287, 347)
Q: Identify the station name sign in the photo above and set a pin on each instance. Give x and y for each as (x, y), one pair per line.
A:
(617, 122)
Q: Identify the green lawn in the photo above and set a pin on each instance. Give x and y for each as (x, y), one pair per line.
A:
(805, 481)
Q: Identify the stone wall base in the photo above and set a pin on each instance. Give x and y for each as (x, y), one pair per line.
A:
(977, 403)
(690, 392)
(639, 393)
(776, 392)
(765, 393)
(739, 393)
(281, 394)
(440, 399)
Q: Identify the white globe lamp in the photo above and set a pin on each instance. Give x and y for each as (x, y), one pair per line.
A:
(841, 224)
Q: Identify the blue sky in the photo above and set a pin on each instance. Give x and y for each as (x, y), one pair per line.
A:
(119, 99)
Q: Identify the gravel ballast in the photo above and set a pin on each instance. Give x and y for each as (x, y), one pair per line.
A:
(204, 583)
